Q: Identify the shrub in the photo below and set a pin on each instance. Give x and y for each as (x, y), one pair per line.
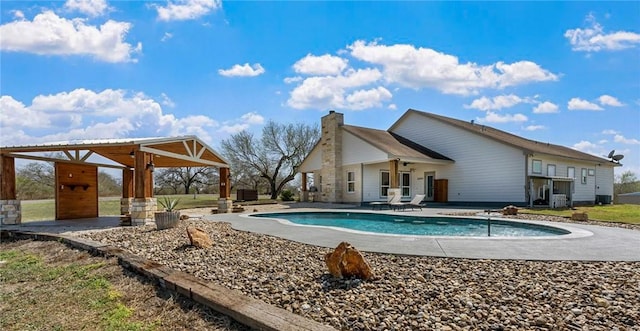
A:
(286, 195)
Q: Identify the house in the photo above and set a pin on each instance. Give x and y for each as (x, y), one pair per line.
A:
(449, 160)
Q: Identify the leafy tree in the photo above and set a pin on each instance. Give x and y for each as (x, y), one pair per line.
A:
(185, 179)
(275, 155)
(108, 186)
(35, 181)
(627, 182)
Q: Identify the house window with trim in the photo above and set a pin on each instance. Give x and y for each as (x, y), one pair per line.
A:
(536, 166)
(551, 170)
(405, 184)
(571, 172)
(583, 176)
(351, 182)
(384, 183)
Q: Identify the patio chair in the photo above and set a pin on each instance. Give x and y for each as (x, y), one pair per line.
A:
(391, 198)
(416, 202)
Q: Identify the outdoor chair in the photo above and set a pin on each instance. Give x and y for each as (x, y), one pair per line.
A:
(391, 198)
(416, 202)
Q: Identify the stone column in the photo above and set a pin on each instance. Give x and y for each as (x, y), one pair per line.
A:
(331, 170)
(144, 205)
(10, 208)
(304, 194)
(143, 210)
(225, 204)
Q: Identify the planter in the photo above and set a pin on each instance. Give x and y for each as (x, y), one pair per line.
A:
(167, 219)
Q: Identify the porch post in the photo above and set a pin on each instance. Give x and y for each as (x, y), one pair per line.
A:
(143, 206)
(127, 191)
(304, 195)
(225, 204)
(10, 211)
(394, 181)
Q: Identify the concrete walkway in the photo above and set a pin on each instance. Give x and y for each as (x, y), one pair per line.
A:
(585, 243)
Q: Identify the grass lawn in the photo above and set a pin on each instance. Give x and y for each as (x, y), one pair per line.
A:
(41, 210)
(624, 213)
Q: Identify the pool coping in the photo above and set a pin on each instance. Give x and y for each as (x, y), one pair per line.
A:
(585, 243)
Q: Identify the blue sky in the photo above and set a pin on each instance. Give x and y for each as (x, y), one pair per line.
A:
(560, 72)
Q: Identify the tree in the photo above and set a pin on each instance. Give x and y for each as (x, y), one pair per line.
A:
(274, 156)
(108, 186)
(35, 181)
(627, 182)
(185, 179)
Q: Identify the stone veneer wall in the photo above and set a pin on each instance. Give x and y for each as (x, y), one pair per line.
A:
(10, 212)
(143, 210)
(125, 205)
(331, 171)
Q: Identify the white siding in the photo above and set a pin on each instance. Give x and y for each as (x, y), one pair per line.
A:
(356, 150)
(604, 180)
(371, 181)
(353, 197)
(313, 161)
(484, 169)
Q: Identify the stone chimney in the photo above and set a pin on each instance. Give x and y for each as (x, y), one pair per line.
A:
(331, 172)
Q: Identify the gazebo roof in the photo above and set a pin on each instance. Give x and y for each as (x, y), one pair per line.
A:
(183, 151)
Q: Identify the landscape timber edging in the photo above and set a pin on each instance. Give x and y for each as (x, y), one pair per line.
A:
(249, 311)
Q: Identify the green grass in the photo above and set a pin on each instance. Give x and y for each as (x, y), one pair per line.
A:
(624, 213)
(44, 210)
(47, 297)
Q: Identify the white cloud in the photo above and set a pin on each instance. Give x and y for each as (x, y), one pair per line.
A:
(49, 34)
(579, 104)
(363, 99)
(545, 108)
(534, 127)
(92, 8)
(594, 38)
(166, 36)
(589, 147)
(424, 67)
(497, 102)
(18, 14)
(289, 80)
(320, 65)
(181, 10)
(392, 106)
(492, 117)
(324, 92)
(607, 100)
(243, 70)
(609, 131)
(166, 101)
(243, 123)
(629, 141)
(86, 114)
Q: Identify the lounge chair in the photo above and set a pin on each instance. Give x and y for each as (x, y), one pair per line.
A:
(416, 202)
(391, 198)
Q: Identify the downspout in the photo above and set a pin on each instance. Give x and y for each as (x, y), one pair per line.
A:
(527, 181)
(361, 183)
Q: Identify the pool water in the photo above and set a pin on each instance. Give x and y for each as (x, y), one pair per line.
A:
(416, 225)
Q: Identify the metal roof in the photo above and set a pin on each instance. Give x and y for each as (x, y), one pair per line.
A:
(182, 151)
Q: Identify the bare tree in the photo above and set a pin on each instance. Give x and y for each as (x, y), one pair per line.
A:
(275, 155)
(185, 178)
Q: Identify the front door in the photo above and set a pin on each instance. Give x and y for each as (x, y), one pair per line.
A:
(428, 185)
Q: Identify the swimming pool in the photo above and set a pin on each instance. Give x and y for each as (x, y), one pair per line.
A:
(417, 225)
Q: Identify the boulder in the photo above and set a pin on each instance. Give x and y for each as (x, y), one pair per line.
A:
(184, 217)
(346, 261)
(510, 210)
(579, 216)
(198, 237)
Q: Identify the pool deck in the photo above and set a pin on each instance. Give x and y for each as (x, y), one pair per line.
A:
(585, 243)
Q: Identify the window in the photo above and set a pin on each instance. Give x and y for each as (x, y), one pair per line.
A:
(384, 183)
(351, 182)
(551, 170)
(571, 172)
(536, 166)
(592, 172)
(405, 184)
(583, 176)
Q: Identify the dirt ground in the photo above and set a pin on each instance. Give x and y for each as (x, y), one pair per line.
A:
(151, 305)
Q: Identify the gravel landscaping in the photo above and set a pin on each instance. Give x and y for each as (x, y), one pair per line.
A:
(408, 292)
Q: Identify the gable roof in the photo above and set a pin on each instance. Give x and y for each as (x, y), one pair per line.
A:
(183, 151)
(393, 144)
(524, 144)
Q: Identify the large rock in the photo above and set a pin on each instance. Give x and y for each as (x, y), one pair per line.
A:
(346, 261)
(198, 237)
(577, 216)
(510, 210)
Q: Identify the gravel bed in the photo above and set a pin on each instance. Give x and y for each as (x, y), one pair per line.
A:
(408, 292)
